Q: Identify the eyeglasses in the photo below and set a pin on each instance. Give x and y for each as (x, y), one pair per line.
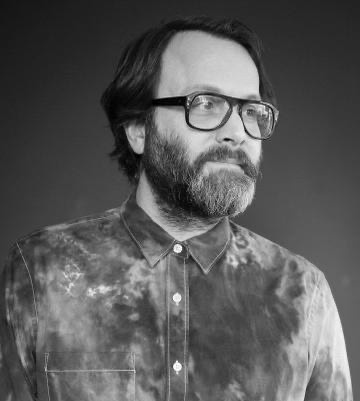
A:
(207, 111)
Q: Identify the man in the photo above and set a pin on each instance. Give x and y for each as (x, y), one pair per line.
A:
(165, 298)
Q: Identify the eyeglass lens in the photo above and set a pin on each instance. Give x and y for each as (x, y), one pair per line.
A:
(208, 112)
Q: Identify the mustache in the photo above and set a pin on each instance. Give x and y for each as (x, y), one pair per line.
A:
(224, 153)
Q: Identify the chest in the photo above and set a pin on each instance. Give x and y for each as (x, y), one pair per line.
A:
(172, 332)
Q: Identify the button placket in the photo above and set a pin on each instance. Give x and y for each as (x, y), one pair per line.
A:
(177, 323)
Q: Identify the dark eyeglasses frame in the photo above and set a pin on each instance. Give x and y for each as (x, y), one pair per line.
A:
(187, 100)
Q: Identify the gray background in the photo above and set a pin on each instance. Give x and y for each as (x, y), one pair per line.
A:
(57, 59)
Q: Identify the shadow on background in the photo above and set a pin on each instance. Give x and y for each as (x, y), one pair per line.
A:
(54, 137)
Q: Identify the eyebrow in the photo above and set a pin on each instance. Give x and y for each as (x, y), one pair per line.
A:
(216, 89)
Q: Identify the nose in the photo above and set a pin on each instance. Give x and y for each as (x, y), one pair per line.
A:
(233, 131)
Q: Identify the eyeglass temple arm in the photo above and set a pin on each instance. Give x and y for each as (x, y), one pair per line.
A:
(170, 101)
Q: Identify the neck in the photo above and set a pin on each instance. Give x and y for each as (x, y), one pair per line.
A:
(179, 225)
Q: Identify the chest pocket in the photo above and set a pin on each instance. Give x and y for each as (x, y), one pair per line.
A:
(90, 376)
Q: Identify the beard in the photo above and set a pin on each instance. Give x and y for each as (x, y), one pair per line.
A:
(183, 191)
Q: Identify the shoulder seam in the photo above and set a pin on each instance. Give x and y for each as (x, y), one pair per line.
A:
(313, 304)
(83, 220)
(31, 282)
(314, 301)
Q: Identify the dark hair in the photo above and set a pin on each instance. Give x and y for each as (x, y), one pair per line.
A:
(128, 97)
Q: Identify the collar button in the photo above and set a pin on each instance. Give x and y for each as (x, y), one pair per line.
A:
(177, 248)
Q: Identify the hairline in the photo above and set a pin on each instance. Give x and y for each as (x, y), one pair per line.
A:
(217, 35)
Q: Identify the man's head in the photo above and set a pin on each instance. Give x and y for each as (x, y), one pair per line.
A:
(193, 171)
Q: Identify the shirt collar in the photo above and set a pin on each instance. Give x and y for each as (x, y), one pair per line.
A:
(154, 242)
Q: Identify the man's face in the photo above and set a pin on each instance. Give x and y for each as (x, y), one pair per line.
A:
(196, 172)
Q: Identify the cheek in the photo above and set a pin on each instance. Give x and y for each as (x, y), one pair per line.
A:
(172, 124)
(170, 120)
(255, 151)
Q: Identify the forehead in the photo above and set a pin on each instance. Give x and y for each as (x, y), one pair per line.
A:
(196, 60)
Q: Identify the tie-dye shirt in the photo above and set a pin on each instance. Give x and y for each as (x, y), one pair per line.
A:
(111, 307)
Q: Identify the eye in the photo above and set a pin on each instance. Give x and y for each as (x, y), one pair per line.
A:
(203, 102)
(208, 104)
(256, 112)
(251, 111)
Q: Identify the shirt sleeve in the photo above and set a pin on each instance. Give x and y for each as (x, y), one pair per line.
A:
(329, 369)
(18, 327)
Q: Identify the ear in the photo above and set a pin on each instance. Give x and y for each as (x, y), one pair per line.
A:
(135, 133)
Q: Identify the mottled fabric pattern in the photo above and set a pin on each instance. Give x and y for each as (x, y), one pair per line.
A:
(110, 307)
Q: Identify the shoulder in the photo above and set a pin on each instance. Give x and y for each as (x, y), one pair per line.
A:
(273, 257)
(77, 239)
(66, 252)
(79, 223)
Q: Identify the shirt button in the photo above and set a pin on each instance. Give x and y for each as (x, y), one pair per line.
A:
(177, 248)
(177, 298)
(177, 367)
